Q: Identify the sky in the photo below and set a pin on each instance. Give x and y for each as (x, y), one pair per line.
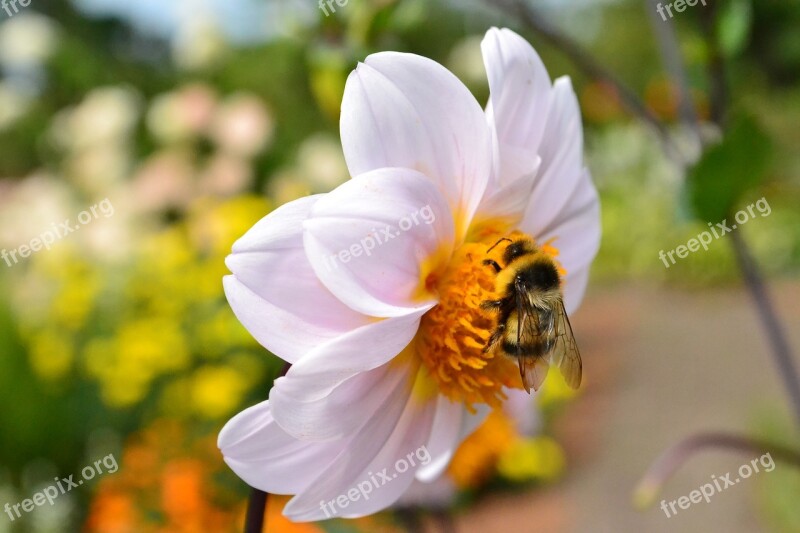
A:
(241, 20)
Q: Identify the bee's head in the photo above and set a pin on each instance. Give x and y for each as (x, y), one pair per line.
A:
(518, 249)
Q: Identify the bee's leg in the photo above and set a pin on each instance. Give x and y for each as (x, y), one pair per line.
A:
(495, 338)
(493, 263)
(491, 305)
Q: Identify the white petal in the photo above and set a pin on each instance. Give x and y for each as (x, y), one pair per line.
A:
(508, 202)
(380, 447)
(267, 458)
(473, 421)
(522, 408)
(369, 239)
(467, 424)
(519, 95)
(403, 110)
(279, 229)
(562, 168)
(274, 291)
(574, 289)
(341, 413)
(577, 234)
(315, 376)
(444, 439)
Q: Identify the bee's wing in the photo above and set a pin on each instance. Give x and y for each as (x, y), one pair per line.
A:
(565, 353)
(532, 330)
(533, 371)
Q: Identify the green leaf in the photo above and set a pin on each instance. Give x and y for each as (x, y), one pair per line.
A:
(733, 26)
(728, 170)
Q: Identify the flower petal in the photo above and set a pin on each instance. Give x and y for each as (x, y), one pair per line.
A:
(444, 438)
(274, 291)
(507, 203)
(522, 408)
(315, 376)
(562, 170)
(576, 233)
(341, 413)
(369, 239)
(519, 96)
(269, 459)
(371, 460)
(403, 110)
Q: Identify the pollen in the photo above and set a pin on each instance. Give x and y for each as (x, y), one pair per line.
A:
(453, 335)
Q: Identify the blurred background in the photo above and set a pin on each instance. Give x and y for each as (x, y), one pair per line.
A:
(193, 119)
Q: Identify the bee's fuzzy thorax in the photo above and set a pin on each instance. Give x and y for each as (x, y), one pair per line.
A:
(536, 270)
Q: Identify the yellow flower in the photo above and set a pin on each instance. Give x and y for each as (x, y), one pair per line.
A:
(74, 302)
(475, 460)
(142, 350)
(555, 391)
(537, 458)
(51, 355)
(217, 391)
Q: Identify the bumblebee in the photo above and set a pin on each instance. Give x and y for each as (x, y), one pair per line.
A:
(532, 325)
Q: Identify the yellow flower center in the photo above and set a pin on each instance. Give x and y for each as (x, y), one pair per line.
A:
(453, 335)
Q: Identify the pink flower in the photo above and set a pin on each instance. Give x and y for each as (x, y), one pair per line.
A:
(373, 290)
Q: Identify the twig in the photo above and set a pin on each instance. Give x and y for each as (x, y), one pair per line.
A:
(769, 318)
(673, 458)
(670, 52)
(781, 350)
(716, 65)
(591, 67)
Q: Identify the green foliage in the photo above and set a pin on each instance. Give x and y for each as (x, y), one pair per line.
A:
(728, 170)
(733, 26)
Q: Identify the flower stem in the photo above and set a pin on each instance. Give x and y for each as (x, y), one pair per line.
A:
(446, 522)
(257, 504)
(256, 507)
(769, 318)
(410, 520)
(673, 458)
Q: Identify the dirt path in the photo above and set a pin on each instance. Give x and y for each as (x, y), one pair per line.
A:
(660, 364)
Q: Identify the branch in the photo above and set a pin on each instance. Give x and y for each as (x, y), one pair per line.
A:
(716, 65)
(673, 458)
(673, 63)
(769, 318)
(781, 350)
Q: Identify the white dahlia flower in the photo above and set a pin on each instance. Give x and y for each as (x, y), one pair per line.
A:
(372, 292)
